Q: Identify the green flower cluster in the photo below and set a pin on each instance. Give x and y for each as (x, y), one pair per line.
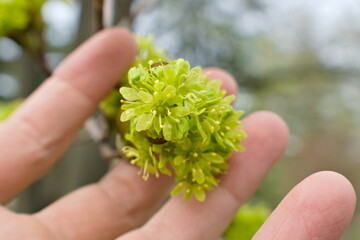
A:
(182, 121)
(110, 105)
(17, 15)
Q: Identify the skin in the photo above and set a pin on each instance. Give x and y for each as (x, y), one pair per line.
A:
(121, 204)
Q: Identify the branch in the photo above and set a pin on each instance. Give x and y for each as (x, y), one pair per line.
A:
(98, 135)
(99, 12)
(39, 55)
(126, 17)
(144, 6)
(35, 45)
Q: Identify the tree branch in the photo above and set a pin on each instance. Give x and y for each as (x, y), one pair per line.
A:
(124, 11)
(99, 12)
(35, 45)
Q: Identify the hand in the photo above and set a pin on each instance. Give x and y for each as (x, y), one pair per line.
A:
(122, 204)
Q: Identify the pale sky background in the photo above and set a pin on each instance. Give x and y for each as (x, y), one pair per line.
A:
(330, 21)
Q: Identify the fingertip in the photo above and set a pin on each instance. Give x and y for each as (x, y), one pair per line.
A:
(228, 81)
(99, 62)
(121, 36)
(320, 207)
(114, 45)
(333, 189)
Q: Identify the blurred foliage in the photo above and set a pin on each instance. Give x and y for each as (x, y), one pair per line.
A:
(6, 108)
(247, 221)
(17, 17)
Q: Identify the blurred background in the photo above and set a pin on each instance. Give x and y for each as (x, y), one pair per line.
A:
(299, 58)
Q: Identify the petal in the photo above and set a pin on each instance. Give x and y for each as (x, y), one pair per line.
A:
(199, 193)
(144, 122)
(127, 115)
(146, 97)
(129, 94)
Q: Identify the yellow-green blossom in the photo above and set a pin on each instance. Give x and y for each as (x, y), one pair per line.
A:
(182, 118)
(111, 103)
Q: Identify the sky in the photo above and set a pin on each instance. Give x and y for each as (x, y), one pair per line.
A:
(330, 24)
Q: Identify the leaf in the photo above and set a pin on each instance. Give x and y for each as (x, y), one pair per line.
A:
(129, 94)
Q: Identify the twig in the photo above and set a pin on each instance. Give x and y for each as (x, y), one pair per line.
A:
(33, 43)
(99, 12)
(39, 55)
(144, 6)
(98, 135)
(126, 17)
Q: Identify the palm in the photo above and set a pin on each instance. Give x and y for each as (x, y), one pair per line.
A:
(121, 203)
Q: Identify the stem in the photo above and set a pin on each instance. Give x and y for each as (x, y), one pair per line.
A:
(124, 13)
(99, 12)
(39, 55)
(98, 135)
(35, 45)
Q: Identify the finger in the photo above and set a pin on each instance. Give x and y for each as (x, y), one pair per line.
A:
(320, 207)
(121, 202)
(267, 138)
(21, 226)
(228, 81)
(42, 128)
